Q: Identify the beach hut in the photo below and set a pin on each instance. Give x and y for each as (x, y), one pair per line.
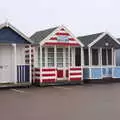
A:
(100, 56)
(13, 66)
(57, 56)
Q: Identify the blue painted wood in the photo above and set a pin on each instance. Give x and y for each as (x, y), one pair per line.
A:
(85, 73)
(23, 73)
(107, 72)
(96, 73)
(7, 35)
(116, 72)
(27, 76)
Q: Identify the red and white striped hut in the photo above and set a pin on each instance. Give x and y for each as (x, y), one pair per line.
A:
(57, 56)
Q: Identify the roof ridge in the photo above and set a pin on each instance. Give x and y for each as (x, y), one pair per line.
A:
(46, 29)
(91, 34)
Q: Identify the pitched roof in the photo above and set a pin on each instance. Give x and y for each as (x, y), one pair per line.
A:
(87, 39)
(118, 39)
(9, 34)
(40, 35)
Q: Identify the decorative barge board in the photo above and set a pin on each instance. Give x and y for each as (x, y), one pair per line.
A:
(12, 56)
(100, 56)
(57, 56)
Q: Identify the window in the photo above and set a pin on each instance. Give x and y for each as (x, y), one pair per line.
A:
(106, 57)
(59, 57)
(63, 38)
(43, 57)
(77, 56)
(67, 57)
(109, 57)
(95, 57)
(86, 57)
(104, 62)
(50, 57)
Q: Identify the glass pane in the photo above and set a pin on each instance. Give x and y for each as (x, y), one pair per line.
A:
(59, 57)
(77, 56)
(59, 49)
(51, 50)
(109, 57)
(50, 57)
(59, 60)
(60, 65)
(94, 56)
(104, 62)
(86, 57)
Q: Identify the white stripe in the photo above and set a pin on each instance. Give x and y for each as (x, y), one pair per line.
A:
(37, 72)
(36, 77)
(48, 72)
(75, 71)
(48, 77)
(77, 76)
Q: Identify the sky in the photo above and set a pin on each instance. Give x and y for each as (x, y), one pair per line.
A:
(81, 17)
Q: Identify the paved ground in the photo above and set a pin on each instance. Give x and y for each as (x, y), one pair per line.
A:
(89, 102)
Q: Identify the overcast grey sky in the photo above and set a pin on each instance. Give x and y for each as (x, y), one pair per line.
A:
(80, 16)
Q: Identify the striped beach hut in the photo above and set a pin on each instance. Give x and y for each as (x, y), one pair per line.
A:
(57, 56)
(100, 61)
(13, 67)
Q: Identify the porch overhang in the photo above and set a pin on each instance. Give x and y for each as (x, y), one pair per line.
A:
(61, 44)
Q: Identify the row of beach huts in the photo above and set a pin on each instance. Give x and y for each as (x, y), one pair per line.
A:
(55, 55)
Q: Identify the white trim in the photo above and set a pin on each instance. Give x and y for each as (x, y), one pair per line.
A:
(15, 63)
(82, 45)
(72, 55)
(7, 24)
(101, 36)
(89, 53)
(46, 56)
(115, 58)
(113, 37)
(40, 63)
(97, 39)
(100, 59)
(82, 57)
(64, 63)
(69, 63)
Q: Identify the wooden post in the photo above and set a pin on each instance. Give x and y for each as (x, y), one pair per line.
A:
(82, 57)
(89, 52)
(69, 62)
(55, 60)
(82, 62)
(73, 57)
(40, 64)
(64, 63)
(46, 57)
(15, 63)
(100, 56)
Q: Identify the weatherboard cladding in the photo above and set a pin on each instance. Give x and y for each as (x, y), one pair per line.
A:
(40, 35)
(7, 35)
(106, 39)
(86, 40)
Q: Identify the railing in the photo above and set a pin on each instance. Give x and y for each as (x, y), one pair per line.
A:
(23, 73)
